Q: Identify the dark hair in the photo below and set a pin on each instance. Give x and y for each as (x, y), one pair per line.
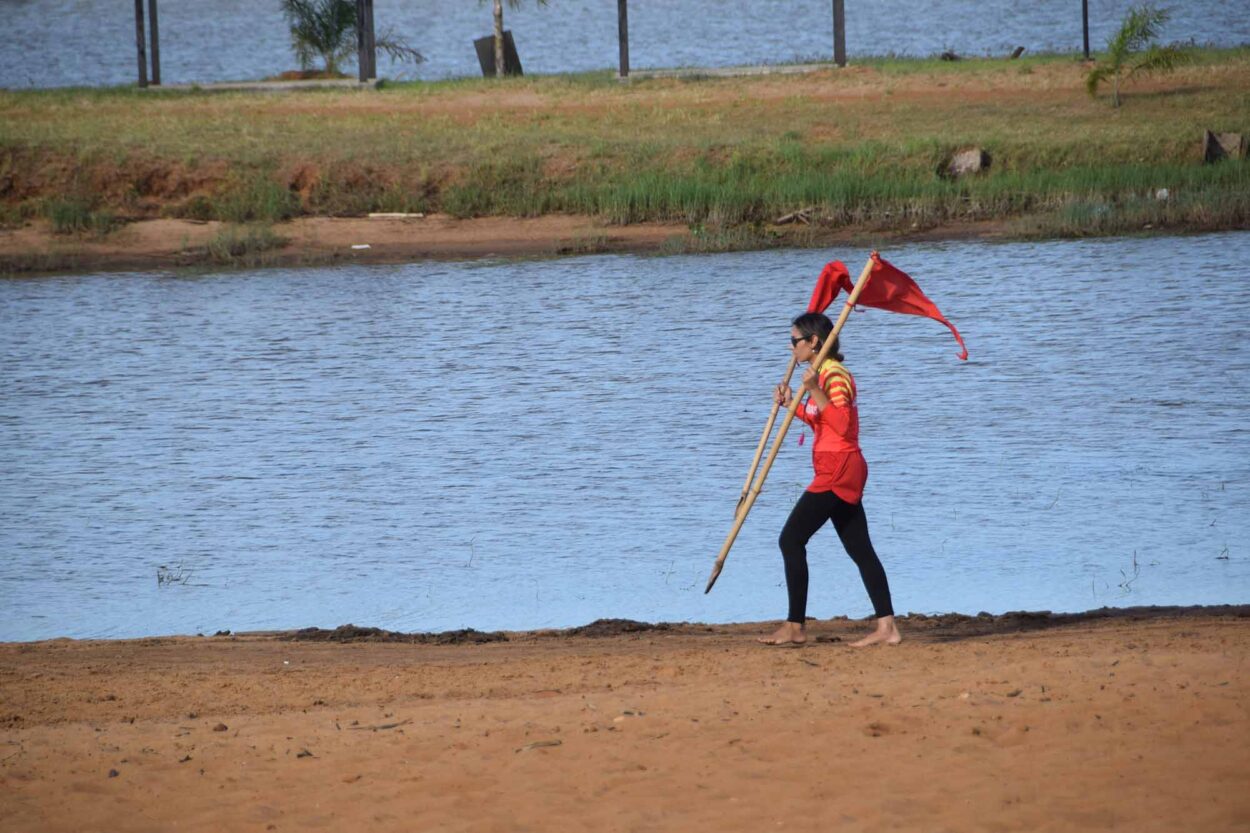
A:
(817, 324)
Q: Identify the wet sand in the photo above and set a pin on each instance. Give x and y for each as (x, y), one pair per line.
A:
(1133, 720)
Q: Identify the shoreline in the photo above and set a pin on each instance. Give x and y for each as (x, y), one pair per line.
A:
(950, 624)
(1125, 721)
(164, 244)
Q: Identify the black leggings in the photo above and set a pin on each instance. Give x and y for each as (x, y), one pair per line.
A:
(808, 516)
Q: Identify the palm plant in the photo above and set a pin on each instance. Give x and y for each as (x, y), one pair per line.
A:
(1141, 26)
(516, 4)
(326, 29)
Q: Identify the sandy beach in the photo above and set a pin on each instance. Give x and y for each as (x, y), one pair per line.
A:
(314, 241)
(171, 243)
(1133, 720)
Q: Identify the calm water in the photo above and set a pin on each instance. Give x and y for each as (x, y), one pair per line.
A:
(521, 445)
(52, 43)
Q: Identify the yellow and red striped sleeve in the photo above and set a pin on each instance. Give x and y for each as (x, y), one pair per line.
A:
(837, 383)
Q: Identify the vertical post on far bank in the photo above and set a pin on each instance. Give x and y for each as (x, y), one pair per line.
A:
(141, 44)
(362, 66)
(1085, 25)
(371, 42)
(622, 32)
(156, 44)
(839, 32)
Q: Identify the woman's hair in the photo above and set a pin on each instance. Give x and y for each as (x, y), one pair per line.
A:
(817, 324)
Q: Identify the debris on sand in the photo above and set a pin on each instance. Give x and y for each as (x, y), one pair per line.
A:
(616, 627)
(352, 633)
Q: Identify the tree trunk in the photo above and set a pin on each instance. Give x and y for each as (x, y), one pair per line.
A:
(156, 44)
(839, 32)
(499, 67)
(622, 34)
(1085, 25)
(362, 63)
(141, 42)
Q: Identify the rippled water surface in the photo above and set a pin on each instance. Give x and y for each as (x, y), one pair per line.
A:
(53, 43)
(520, 445)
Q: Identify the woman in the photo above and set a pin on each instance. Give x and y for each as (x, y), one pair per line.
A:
(836, 491)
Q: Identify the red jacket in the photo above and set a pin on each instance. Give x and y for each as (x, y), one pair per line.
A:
(836, 456)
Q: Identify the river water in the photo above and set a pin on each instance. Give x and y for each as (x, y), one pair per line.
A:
(539, 444)
(52, 43)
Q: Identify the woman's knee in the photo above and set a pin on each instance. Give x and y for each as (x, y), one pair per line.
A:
(791, 543)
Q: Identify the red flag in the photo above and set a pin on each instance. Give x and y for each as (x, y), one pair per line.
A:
(827, 284)
(889, 289)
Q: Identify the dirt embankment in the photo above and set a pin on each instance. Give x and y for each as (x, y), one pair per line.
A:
(312, 241)
(1135, 721)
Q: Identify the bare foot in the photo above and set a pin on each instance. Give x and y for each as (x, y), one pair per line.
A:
(790, 634)
(886, 632)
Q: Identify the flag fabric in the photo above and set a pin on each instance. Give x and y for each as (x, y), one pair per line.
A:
(827, 285)
(888, 288)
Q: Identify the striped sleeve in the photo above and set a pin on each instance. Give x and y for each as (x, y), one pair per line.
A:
(838, 384)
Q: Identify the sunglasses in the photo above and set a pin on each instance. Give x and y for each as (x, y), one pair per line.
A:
(794, 341)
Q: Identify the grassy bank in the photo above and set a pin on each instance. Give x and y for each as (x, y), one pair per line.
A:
(858, 147)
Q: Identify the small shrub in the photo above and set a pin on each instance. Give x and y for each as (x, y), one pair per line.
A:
(11, 216)
(256, 200)
(68, 215)
(197, 207)
(346, 191)
(104, 223)
(242, 246)
(401, 200)
(514, 187)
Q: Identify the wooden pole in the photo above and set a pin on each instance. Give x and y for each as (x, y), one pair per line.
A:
(156, 44)
(141, 43)
(839, 33)
(864, 277)
(768, 429)
(622, 33)
(1085, 25)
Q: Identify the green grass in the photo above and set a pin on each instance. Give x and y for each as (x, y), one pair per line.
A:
(68, 215)
(254, 199)
(1188, 211)
(243, 245)
(860, 147)
(75, 215)
(34, 262)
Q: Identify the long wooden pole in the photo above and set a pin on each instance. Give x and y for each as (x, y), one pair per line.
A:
(864, 277)
(768, 429)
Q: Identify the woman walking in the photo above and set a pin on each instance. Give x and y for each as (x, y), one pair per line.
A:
(837, 489)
